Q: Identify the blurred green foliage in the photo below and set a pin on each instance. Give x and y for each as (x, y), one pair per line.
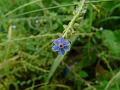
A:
(27, 28)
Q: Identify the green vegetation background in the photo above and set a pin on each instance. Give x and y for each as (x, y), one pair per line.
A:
(27, 28)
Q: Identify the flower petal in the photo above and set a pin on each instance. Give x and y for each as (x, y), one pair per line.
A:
(61, 52)
(67, 48)
(57, 41)
(55, 48)
(62, 40)
(66, 43)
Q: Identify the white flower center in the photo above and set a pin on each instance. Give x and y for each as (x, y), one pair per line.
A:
(61, 45)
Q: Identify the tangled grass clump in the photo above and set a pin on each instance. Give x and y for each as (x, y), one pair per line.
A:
(85, 33)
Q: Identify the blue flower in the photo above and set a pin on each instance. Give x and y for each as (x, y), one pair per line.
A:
(61, 45)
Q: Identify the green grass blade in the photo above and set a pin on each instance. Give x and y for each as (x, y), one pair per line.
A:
(54, 66)
(114, 79)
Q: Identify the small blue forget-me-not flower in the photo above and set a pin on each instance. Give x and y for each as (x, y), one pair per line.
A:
(61, 46)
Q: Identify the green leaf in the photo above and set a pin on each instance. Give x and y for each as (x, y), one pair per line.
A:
(83, 74)
(110, 40)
